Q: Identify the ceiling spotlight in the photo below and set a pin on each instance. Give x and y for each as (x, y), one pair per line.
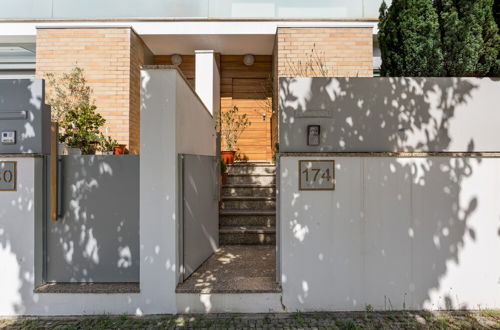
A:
(176, 59)
(248, 59)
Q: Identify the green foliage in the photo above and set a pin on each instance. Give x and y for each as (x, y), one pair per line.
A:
(81, 129)
(496, 11)
(409, 39)
(66, 92)
(276, 150)
(469, 35)
(107, 143)
(232, 125)
(223, 167)
(439, 38)
(495, 71)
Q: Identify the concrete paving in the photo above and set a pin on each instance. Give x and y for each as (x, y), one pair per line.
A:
(235, 269)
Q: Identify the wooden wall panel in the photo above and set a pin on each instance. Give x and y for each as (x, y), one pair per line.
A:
(247, 88)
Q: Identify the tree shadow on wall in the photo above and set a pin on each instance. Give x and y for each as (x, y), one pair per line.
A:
(389, 115)
(97, 238)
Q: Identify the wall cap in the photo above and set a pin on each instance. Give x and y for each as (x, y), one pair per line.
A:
(393, 154)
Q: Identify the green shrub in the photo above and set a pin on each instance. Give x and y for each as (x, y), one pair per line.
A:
(439, 38)
(409, 39)
(81, 129)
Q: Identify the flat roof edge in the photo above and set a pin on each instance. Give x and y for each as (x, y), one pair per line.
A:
(183, 19)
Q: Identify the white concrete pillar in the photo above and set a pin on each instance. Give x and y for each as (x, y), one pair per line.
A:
(207, 80)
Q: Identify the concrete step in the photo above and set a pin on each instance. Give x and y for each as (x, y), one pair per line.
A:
(242, 235)
(249, 190)
(253, 169)
(247, 218)
(261, 179)
(248, 203)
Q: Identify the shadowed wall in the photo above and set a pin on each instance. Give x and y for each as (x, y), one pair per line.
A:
(97, 239)
(390, 114)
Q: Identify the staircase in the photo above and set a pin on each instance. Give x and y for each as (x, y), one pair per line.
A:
(248, 209)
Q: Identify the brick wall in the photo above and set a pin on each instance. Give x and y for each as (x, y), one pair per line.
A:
(344, 52)
(111, 58)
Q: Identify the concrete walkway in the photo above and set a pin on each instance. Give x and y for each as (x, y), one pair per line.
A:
(235, 269)
(359, 320)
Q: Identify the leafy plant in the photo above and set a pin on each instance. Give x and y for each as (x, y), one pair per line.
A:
(232, 126)
(223, 167)
(107, 143)
(81, 129)
(66, 92)
(276, 150)
(439, 38)
(469, 34)
(409, 39)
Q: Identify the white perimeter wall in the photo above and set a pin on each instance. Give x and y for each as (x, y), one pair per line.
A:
(390, 114)
(167, 108)
(195, 126)
(396, 233)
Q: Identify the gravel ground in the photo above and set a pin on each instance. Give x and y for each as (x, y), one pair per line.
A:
(487, 319)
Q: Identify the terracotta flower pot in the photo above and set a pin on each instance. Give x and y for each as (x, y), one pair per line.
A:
(119, 149)
(228, 156)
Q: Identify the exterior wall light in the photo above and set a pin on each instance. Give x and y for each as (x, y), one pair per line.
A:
(176, 59)
(248, 59)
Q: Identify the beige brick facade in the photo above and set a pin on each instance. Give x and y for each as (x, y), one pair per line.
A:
(343, 52)
(111, 58)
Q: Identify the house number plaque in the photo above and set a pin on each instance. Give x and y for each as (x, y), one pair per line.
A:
(316, 175)
(8, 176)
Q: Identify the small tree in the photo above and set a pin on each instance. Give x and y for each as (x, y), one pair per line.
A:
(66, 92)
(81, 129)
(469, 36)
(232, 126)
(409, 39)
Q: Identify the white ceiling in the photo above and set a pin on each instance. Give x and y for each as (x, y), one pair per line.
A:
(228, 44)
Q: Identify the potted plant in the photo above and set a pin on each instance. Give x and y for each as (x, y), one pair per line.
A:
(119, 149)
(81, 129)
(232, 125)
(107, 144)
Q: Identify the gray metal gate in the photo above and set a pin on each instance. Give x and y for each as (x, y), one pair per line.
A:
(199, 210)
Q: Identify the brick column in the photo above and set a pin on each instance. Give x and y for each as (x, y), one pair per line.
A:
(345, 52)
(111, 58)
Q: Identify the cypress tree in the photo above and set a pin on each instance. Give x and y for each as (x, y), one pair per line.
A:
(409, 39)
(469, 36)
(496, 11)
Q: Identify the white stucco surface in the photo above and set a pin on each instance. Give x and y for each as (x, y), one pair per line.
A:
(195, 126)
(163, 114)
(207, 79)
(397, 233)
(390, 114)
